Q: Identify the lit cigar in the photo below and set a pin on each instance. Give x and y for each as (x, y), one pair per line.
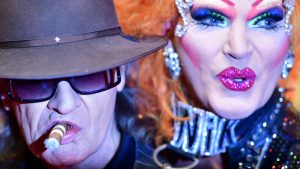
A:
(55, 136)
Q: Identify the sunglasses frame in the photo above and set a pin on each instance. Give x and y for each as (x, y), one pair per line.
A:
(10, 88)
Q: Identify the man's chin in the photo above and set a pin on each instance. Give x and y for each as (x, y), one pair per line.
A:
(61, 157)
(234, 111)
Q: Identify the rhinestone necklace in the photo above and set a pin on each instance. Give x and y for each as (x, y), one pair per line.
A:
(204, 134)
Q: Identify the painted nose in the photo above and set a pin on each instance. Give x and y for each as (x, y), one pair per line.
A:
(65, 99)
(238, 45)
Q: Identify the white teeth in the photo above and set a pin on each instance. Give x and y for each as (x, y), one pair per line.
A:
(238, 79)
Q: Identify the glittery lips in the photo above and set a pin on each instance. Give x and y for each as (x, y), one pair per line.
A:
(237, 80)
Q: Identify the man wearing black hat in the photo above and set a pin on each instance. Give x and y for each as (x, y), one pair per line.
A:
(60, 62)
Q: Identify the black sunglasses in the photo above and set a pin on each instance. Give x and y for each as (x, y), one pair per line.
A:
(31, 91)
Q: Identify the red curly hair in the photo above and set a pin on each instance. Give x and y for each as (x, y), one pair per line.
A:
(159, 17)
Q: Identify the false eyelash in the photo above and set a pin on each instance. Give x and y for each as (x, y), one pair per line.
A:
(203, 16)
(205, 12)
(274, 15)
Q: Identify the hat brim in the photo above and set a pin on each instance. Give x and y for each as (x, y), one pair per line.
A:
(75, 58)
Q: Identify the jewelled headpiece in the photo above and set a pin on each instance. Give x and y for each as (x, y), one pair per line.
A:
(204, 134)
(183, 7)
(289, 6)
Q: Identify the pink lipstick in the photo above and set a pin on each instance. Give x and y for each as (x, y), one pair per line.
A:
(237, 80)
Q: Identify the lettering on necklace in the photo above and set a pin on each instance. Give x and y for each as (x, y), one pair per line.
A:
(204, 134)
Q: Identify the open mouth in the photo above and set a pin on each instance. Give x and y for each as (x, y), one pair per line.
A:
(72, 130)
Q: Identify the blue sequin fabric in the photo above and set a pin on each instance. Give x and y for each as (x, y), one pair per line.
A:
(269, 138)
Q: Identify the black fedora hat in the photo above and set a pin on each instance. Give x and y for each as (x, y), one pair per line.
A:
(42, 39)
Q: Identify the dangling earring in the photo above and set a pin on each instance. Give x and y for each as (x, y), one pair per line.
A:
(288, 64)
(172, 60)
(171, 57)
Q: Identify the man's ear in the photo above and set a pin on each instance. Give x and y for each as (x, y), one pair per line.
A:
(120, 86)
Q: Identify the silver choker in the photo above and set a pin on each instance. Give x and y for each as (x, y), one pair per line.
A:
(204, 134)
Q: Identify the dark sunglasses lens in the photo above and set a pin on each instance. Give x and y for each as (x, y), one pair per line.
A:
(31, 89)
(38, 90)
(94, 82)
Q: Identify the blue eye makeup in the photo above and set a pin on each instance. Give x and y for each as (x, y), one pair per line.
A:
(268, 20)
(207, 17)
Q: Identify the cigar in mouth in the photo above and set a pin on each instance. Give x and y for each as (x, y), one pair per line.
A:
(57, 133)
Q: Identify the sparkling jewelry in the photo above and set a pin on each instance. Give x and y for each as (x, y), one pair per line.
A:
(204, 134)
(172, 60)
(256, 148)
(289, 5)
(183, 7)
(288, 64)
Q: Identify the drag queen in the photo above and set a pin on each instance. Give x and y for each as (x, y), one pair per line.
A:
(214, 89)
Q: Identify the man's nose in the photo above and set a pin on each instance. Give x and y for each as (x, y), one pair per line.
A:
(238, 45)
(65, 99)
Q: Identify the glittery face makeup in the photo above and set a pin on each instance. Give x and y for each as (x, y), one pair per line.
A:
(227, 7)
(268, 19)
(232, 53)
(260, 5)
(207, 17)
